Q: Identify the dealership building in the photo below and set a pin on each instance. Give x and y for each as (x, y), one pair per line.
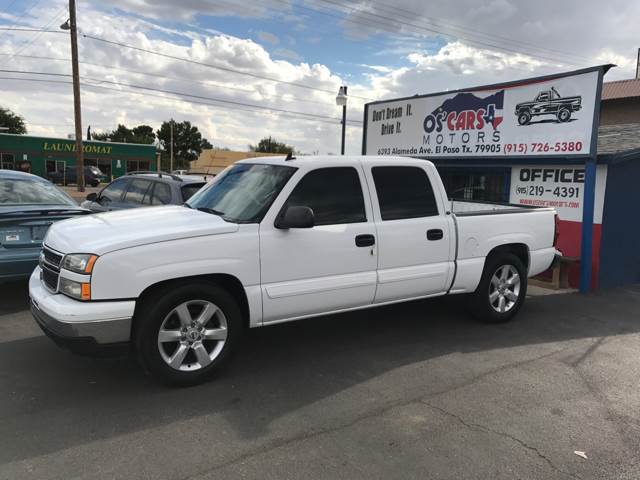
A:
(535, 142)
(42, 155)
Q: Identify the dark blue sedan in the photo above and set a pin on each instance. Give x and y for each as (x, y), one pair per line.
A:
(28, 206)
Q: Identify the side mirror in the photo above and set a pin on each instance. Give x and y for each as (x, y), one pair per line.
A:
(92, 197)
(295, 217)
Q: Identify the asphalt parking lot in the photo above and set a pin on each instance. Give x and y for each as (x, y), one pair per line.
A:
(408, 391)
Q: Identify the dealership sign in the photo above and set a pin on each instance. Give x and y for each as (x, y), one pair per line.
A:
(547, 116)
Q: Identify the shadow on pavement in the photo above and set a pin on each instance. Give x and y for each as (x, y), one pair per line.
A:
(14, 296)
(57, 400)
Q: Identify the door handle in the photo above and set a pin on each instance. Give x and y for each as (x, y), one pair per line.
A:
(435, 234)
(365, 240)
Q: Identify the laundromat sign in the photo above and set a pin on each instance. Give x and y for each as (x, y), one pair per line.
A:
(71, 147)
(547, 116)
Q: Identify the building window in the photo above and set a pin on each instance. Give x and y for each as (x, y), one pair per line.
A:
(483, 184)
(7, 161)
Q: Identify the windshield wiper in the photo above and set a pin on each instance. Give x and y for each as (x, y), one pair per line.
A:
(210, 210)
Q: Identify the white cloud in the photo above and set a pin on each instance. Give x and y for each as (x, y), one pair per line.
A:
(48, 108)
(457, 64)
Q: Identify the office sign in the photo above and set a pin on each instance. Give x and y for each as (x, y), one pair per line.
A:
(546, 116)
(560, 187)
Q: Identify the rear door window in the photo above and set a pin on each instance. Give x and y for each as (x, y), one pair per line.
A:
(404, 192)
(161, 194)
(137, 191)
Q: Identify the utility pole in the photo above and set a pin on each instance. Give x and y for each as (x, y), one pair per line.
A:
(171, 149)
(76, 94)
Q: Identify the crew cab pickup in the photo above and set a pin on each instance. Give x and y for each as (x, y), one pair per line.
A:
(548, 102)
(272, 240)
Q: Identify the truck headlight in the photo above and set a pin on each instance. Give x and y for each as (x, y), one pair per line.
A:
(78, 290)
(79, 262)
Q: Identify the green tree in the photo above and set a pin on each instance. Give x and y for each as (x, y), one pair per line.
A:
(188, 143)
(12, 121)
(144, 134)
(140, 134)
(270, 145)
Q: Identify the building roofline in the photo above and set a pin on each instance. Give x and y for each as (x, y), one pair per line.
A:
(72, 140)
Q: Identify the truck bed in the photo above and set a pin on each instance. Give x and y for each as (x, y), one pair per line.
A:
(467, 208)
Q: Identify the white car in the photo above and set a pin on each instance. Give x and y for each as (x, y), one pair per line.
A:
(272, 240)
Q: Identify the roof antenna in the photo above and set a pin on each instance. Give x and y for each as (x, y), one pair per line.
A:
(289, 157)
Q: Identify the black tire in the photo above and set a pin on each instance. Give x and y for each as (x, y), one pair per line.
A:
(480, 303)
(524, 117)
(94, 184)
(563, 115)
(151, 315)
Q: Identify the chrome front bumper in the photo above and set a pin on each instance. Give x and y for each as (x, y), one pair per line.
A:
(66, 319)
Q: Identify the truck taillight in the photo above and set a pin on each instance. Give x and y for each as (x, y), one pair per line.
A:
(556, 230)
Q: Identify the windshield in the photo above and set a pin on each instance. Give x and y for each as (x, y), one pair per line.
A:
(243, 193)
(28, 192)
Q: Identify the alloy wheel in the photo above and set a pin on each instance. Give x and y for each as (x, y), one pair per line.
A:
(504, 289)
(192, 335)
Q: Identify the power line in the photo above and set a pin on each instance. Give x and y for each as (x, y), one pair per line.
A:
(396, 12)
(42, 30)
(244, 106)
(385, 23)
(207, 83)
(411, 15)
(209, 65)
(33, 5)
(29, 29)
(440, 32)
(6, 9)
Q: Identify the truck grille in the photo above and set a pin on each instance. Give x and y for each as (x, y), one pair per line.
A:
(52, 258)
(50, 261)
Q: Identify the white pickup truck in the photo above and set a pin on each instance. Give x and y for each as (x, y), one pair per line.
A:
(273, 240)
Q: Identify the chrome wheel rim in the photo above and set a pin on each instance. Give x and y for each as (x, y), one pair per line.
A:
(504, 289)
(192, 335)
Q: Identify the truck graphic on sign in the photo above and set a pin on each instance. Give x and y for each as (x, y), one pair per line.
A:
(548, 102)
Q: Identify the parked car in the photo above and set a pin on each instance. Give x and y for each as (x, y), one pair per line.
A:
(143, 190)
(548, 102)
(28, 206)
(273, 240)
(93, 176)
(203, 176)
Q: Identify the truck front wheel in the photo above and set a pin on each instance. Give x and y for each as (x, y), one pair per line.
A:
(524, 117)
(184, 334)
(502, 289)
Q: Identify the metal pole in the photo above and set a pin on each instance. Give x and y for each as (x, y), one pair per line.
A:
(344, 127)
(76, 95)
(588, 207)
(171, 149)
(589, 198)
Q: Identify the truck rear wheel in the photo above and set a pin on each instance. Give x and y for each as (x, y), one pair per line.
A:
(564, 114)
(524, 117)
(185, 334)
(502, 289)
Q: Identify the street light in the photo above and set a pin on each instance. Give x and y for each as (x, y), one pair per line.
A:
(341, 101)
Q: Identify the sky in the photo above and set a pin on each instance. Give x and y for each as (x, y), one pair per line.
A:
(241, 70)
